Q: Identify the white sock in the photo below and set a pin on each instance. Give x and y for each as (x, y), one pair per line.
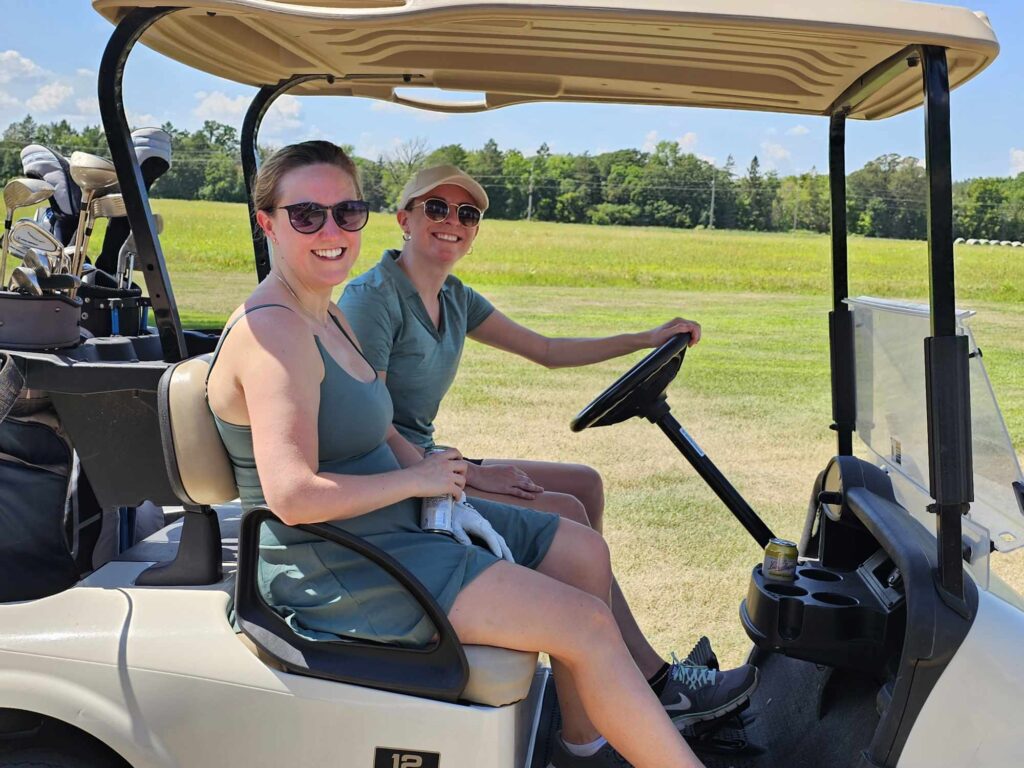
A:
(585, 750)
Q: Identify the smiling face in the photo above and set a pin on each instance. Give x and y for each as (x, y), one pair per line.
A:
(325, 257)
(441, 242)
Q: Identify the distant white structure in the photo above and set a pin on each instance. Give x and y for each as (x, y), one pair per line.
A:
(972, 241)
(958, 241)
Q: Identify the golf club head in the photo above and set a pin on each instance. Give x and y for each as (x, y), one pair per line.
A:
(37, 260)
(21, 192)
(92, 173)
(109, 206)
(58, 282)
(26, 281)
(153, 150)
(125, 260)
(26, 233)
(66, 258)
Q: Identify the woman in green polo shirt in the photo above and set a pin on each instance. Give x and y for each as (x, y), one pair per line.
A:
(412, 316)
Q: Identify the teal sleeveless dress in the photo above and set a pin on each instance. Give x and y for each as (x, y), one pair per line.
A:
(326, 592)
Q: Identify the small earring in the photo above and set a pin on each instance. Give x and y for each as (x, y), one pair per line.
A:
(469, 251)
(406, 236)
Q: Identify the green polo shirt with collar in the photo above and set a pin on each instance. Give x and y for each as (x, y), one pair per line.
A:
(398, 337)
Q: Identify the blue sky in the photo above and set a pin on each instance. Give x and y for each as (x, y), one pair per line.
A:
(50, 51)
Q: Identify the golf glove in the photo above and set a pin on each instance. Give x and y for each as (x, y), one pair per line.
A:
(466, 522)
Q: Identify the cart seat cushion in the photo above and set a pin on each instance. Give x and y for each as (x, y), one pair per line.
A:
(498, 676)
(197, 463)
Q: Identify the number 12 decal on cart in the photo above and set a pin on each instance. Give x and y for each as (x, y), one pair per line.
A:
(389, 757)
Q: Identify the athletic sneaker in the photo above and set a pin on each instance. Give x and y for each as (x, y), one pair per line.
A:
(605, 757)
(694, 693)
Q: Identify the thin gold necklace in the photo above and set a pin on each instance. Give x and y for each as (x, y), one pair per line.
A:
(302, 308)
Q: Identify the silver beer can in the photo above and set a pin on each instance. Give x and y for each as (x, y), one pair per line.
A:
(436, 511)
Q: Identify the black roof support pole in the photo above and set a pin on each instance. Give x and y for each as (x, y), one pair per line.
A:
(947, 373)
(129, 176)
(840, 319)
(262, 102)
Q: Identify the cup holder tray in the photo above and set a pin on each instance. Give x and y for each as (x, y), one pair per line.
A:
(824, 616)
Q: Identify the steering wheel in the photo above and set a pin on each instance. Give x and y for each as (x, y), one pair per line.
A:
(639, 388)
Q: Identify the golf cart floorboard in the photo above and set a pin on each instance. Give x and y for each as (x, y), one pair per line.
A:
(801, 716)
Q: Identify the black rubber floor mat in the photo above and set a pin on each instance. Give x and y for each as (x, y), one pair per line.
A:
(780, 729)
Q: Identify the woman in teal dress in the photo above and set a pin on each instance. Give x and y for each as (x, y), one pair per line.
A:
(307, 423)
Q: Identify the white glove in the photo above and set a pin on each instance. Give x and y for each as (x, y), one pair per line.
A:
(467, 521)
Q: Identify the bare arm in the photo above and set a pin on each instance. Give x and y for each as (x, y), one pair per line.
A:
(279, 371)
(498, 330)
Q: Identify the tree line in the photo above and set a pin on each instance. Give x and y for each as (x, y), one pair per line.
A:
(663, 187)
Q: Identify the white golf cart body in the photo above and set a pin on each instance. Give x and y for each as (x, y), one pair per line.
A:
(137, 672)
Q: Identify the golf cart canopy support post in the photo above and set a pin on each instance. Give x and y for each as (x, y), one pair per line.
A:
(840, 319)
(129, 176)
(262, 101)
(947, 376)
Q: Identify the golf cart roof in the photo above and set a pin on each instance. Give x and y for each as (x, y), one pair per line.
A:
(798, 56)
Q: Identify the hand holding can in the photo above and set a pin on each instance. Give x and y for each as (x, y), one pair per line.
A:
(436, 511)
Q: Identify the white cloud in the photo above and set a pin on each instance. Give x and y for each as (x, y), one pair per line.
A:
(49, 97)
(1016, 161)
(798, 130)
(420, 115)
(688, 141)
(650, 141)
(285, 115)
(7, 101)
(85, 73)
(707, 158)
(88, 109)
(14, 66)
(775, 151)
(220, 107)
(144, 120)
(371, 147)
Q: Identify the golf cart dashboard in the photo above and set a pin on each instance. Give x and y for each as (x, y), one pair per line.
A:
(864, 589)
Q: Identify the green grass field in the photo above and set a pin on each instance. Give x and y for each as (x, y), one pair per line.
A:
(755, 393)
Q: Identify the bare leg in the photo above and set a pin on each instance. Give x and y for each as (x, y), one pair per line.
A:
(562, 483)
(577, 480)
(513, 607)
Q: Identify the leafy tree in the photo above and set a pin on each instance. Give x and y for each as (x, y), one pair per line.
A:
(755, 198)
(449, 154)
(486, 165)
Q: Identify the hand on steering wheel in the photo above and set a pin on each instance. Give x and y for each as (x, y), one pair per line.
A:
(638, 389)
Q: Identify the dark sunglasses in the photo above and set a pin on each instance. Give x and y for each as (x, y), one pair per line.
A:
(307, 218)
(436, 209)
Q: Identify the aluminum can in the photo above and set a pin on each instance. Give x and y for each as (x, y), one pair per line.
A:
(436, 511)
(780, 560)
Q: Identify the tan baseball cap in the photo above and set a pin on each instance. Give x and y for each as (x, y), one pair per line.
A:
(431, 178)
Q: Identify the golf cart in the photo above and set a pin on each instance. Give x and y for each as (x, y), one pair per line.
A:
(890, 647)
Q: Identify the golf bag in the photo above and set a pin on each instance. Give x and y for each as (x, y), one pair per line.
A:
(37, 518)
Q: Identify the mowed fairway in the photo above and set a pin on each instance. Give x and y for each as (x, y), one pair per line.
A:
(755, 393)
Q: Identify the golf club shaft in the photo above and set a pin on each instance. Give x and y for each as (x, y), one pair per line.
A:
(3, 257)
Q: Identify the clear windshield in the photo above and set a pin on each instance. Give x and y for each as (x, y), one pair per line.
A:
(892, 422)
